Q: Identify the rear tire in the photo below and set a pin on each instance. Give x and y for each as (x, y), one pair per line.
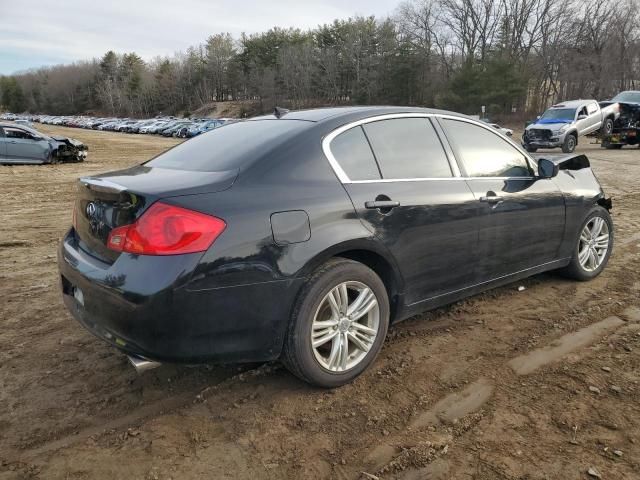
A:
(589, 257)
(607, 127)
(319, 315)
(569, 144)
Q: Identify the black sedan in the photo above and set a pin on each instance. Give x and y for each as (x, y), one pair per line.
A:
(304, 235)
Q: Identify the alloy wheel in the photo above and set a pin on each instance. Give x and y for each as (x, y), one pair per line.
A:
(594, 244)
(345, 326)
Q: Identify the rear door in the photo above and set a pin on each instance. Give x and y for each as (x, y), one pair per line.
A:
(522, 216)
(594, 117)
(409, 195)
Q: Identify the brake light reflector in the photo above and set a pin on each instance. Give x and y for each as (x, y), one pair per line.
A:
(167, 230)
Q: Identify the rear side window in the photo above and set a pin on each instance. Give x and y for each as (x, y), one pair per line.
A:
(228, 147)
(484, 153)
(352, 151)
(407, 148)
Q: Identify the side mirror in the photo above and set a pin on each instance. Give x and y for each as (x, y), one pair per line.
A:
(547, 169)
(582, 117)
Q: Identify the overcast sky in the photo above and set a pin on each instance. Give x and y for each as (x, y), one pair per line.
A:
(48, 32)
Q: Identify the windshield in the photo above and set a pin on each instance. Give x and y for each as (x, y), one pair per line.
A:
(563, 114)
(228, 147)
(628, 97)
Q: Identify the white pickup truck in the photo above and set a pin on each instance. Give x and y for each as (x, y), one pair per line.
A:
(562, 124)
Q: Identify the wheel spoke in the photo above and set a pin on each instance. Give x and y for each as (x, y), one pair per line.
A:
(362, 305)
(325, 338)
(334, 303)
(583, 256)
(358, 342)
(364, 329)
(593, 259)
(602, 241)
(362, 298)
(325, 324)
(597, 226)
(364, 309)
(344, 298)
(585, 236)
(344, 351)
(335, 352)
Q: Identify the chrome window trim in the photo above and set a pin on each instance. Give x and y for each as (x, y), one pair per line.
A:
(453, 162)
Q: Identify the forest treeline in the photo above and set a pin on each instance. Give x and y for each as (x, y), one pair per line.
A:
(510, 55)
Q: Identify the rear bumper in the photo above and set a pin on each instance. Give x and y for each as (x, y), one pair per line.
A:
(142, 305)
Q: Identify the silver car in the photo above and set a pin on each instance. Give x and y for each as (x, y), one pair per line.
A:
(21, 144)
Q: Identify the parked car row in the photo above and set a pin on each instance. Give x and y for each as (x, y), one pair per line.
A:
(166, 126)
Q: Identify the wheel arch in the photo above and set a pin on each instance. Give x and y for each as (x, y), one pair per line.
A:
(373, 255)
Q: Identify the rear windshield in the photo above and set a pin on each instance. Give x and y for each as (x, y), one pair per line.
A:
(228, 147)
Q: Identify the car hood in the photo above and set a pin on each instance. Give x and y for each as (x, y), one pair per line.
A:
(549, 124)
(71, 141)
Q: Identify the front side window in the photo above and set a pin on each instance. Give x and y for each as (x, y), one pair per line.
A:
(484, 153)
(408, 148)
(12, 132)
(352, 151)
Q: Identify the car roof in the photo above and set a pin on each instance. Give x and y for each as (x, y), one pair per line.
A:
(572, 103)
(334, 113)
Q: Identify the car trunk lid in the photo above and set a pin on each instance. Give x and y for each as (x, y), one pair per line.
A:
(105, 202)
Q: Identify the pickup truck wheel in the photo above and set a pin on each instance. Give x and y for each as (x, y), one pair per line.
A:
(593, 246)
(607, 127)
(569, 144)
(531, 149)
(338, 324)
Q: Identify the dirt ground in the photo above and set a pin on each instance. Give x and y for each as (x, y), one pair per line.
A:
(540, 383)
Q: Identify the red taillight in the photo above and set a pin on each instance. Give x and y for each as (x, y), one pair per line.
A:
(167, 230)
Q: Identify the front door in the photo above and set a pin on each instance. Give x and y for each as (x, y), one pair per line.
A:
(522, 216)
(410, 199)
(22, 146)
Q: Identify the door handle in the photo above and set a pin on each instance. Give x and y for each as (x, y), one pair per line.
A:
(491, 199)
(12, 141)
(381, 204)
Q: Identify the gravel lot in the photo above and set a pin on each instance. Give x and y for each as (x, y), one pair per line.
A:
(541, 383)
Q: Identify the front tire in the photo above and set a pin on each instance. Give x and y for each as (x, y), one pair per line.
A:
(607, 127)
(531, 149)
(593, 246)
(569, 144)
(338, 324)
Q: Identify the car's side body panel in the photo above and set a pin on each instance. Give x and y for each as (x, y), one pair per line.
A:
(521, 231)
